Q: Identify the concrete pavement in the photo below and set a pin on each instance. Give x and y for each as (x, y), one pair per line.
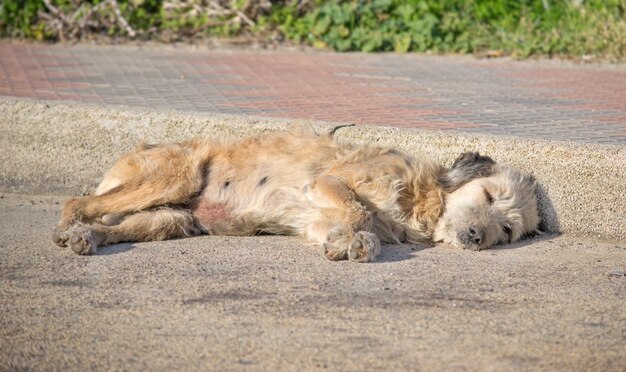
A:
(273, 303)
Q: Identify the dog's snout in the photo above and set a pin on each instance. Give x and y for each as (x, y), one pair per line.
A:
(475, 234)
(472, 236)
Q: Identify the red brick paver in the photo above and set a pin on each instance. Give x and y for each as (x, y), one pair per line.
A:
(533, 99)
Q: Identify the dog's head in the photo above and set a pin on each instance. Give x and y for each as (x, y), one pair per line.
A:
(486, 204)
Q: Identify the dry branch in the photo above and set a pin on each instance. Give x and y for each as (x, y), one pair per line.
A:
(121, 20)
(82, 19)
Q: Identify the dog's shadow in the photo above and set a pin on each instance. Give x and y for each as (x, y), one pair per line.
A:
(539, 237)
(548, 217)
(114, 249)
(399, 252)
(390, 252)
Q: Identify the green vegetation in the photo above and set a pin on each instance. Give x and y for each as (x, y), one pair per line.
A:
(522, 28)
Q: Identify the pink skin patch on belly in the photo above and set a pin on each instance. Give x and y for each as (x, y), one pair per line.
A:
(209, 215)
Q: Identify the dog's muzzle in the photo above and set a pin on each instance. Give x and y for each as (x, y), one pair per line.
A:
(473, 236)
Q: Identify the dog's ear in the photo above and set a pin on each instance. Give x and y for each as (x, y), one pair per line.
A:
(468, 166)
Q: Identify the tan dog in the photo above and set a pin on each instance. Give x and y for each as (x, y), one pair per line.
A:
(346, 198)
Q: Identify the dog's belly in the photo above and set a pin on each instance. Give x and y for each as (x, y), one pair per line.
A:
(213, 217)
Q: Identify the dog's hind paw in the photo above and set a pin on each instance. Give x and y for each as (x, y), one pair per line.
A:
(365, 247)
(82, 240)
(335, 254)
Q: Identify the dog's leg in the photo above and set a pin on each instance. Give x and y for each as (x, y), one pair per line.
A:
(129, 198)
(345, 226)
(124, 199)
(154, 177)
(161, 224)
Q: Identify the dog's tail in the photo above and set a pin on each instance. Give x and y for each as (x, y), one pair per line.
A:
(331, 133)
(307, 130)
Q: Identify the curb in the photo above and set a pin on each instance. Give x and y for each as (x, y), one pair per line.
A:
(62, 148)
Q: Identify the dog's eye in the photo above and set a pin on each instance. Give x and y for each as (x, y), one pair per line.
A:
(507, 230)
(488, 196)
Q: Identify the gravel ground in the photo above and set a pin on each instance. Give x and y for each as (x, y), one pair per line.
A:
(274, 303)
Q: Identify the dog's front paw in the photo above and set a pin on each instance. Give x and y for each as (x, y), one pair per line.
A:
(336, 245)
(365, 247)
(81, 239)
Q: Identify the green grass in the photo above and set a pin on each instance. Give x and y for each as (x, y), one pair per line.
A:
(522, 28)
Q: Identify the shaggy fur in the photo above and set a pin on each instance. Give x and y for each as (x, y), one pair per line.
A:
(346, 198)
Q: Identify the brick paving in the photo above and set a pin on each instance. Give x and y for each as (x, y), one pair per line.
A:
(553, 100)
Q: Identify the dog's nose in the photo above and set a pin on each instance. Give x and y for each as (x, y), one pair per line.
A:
(475, 234)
